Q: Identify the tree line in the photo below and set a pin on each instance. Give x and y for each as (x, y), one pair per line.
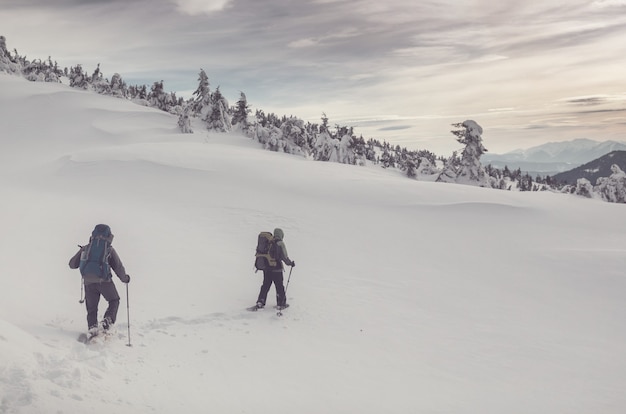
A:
(318, 141)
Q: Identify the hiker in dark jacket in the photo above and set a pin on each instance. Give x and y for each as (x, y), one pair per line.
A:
(275, 274)
(96, 285)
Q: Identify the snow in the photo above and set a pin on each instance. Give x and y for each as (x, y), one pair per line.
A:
(407, 297)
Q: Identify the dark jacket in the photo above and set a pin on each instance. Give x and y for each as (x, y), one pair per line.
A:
(114, 262)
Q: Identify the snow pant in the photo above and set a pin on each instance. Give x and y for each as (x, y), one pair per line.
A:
(92, 299)
(275, 277)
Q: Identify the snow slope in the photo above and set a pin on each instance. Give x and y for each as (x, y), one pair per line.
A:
(407, 297)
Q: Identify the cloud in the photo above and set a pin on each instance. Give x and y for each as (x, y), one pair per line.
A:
(594, 100)
(197, 7)
(609, 3)
(311, 42)
(420, 63)
(395, 128)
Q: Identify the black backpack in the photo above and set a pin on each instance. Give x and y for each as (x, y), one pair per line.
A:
(266, 251)
(94, 258)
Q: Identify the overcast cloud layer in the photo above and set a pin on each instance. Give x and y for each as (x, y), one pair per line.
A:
(529, 72)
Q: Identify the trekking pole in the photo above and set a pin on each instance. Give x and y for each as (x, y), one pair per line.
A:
(288, 279)
(128, 315)
(82, 292)
(280, 309)
(82, 286)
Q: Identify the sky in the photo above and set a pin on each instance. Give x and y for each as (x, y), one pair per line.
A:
(528, 72)
(408, 296)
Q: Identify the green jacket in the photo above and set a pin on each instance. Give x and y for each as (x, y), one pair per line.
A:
(283, 256)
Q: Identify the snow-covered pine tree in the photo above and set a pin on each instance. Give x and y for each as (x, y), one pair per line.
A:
(411, 170)
(612, 188)
(99, 83)
(240, 113)
(345, 151)
(387, 159)
(426, 167)
(201, 104)
(158, 98)
(584, 188)
(295, 136)
(184, 120)
(117, 86)
(470, 170)
(450, 169)
(78, 79)
(324, 146)
(8, 63)
(219, 118)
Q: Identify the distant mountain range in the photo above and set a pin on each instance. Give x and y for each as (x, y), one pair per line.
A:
(554, 157)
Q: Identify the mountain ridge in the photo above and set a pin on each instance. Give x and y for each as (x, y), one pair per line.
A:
(554, 157)
(600, 167)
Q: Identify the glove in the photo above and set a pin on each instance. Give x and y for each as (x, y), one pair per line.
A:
(126, 279)
(293, 264)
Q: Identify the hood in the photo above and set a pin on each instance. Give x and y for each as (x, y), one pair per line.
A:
(279, 234)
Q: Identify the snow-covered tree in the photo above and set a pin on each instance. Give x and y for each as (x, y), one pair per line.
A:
(345, 151)
(324, 146)
(99, 83)
(411, 170)
(584, 188)
(240, 113)
(450, 169)
(158, 98)
(219, 118)
(8, 63)
(295, 136)
(78, 79)
(201, 105)
(426, 167)
(387, 159)
(117, 86)
(184, 120)
(470, 170)
(612, 188)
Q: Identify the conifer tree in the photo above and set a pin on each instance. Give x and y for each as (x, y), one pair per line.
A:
(184, 120)
(8, 64)
(612, 188)
(118, 86)
(240, 114)
(78, 79)
(201, 104)
(219, 118)
(470, 170)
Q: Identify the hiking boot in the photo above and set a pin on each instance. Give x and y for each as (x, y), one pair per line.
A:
(107, 323)
(260, 305)
(93, 331)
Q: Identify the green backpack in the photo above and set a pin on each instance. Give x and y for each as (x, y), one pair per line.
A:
(266, 251)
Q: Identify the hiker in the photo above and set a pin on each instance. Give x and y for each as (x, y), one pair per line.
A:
(274, 274)
(95, 261)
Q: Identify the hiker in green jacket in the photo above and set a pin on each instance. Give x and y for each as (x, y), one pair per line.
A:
(274, 274)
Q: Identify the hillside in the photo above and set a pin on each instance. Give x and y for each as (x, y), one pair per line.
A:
(553, 157)
(407, 297)
(593, 170)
